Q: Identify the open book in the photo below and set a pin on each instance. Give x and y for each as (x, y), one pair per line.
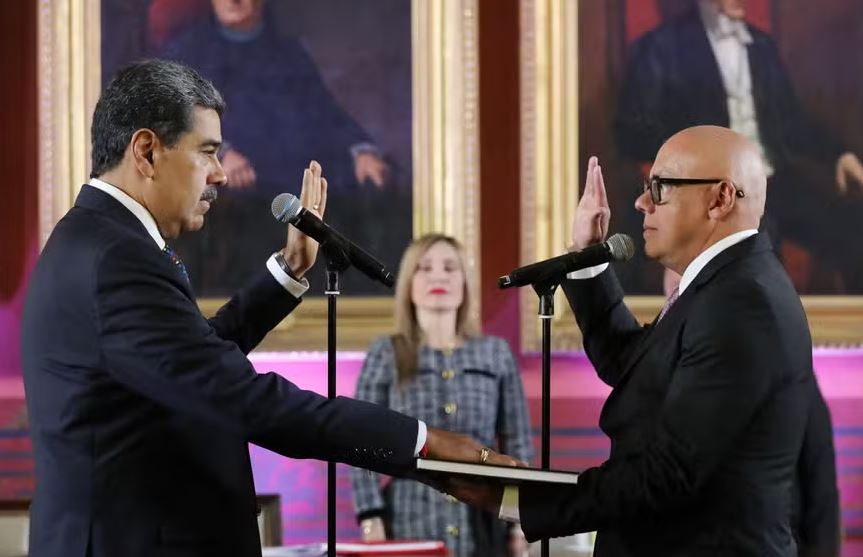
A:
(502, 474)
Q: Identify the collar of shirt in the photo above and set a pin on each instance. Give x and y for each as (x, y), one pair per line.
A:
(705, 256)
(719, 26)
(134, 207)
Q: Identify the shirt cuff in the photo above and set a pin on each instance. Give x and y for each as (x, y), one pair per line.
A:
(422, 434)
(509, 504)
(294, 288)
(588, 273)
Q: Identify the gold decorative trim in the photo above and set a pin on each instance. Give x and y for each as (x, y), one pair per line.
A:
(446, 122)
(359, 321)
(834, 321)
(69, 77)
(549, 143)
(445, 145)
(550, 180)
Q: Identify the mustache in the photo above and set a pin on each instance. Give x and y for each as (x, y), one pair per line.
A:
(210, 194)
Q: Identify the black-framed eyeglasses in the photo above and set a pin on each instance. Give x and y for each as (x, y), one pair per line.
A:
(654, 185)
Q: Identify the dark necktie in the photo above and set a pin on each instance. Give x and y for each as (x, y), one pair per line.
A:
(668, 303)
(177, 262)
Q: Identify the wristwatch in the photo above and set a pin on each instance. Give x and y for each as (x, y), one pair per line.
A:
(280, 259)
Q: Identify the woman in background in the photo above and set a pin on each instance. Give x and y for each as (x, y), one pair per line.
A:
(440, 369)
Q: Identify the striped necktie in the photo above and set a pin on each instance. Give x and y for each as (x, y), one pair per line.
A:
(675, 294)
(177, 262)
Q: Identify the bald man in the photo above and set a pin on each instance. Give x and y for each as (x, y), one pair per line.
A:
(709, 401)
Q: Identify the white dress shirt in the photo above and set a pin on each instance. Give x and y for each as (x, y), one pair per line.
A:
(509, 503)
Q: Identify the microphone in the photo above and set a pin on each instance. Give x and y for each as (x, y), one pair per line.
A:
(617, 248)
(287, 208)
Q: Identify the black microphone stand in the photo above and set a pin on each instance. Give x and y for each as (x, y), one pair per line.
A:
(545, 289)
(337, 261)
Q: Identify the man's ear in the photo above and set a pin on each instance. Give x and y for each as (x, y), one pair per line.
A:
(142, 145)
(724, 200)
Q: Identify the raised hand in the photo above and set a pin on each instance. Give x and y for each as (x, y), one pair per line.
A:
(590, 225)
(301, 250)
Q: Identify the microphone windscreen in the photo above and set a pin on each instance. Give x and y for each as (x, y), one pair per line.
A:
(621, 247)
(285, 206)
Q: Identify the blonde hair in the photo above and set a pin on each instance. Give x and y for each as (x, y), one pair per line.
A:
(408, 336)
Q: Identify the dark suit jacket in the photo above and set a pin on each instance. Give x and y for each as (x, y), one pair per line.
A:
(673, 82)
(706, 416)
(815, 510)
(141, 410)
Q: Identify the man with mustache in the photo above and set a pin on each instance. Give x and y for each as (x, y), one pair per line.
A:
(141, 410)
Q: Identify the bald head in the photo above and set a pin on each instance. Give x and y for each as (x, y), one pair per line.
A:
(714, 185)
(717, 152)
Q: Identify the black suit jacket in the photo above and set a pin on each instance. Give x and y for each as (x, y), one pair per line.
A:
(141, 409)
(815, 511)
(706, 416)
(673, 82)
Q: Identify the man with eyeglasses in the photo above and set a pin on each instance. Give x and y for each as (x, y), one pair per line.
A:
(710, 400)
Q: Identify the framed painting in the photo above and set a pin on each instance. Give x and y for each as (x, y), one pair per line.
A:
(366, 88)
(599, 78)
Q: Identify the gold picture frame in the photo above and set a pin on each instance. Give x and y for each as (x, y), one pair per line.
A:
(551, 178)
(445, 145)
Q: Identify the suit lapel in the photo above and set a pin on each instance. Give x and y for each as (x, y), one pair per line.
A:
(658, 331)
(94, 199)
(677, 314)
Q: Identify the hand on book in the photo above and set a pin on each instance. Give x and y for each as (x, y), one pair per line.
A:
(476, 493)
(446, 445)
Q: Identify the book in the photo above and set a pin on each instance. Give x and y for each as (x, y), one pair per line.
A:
(306, 550)
(503, 474)
(393, 548)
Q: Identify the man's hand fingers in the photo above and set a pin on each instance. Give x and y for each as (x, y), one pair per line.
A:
(315, 194)
(322, 206)
(501, 459)
(589, 184)
(476, 493)
(603, 215)
(601, 198)
(857, 172)
(464, 490)
(307, 186)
